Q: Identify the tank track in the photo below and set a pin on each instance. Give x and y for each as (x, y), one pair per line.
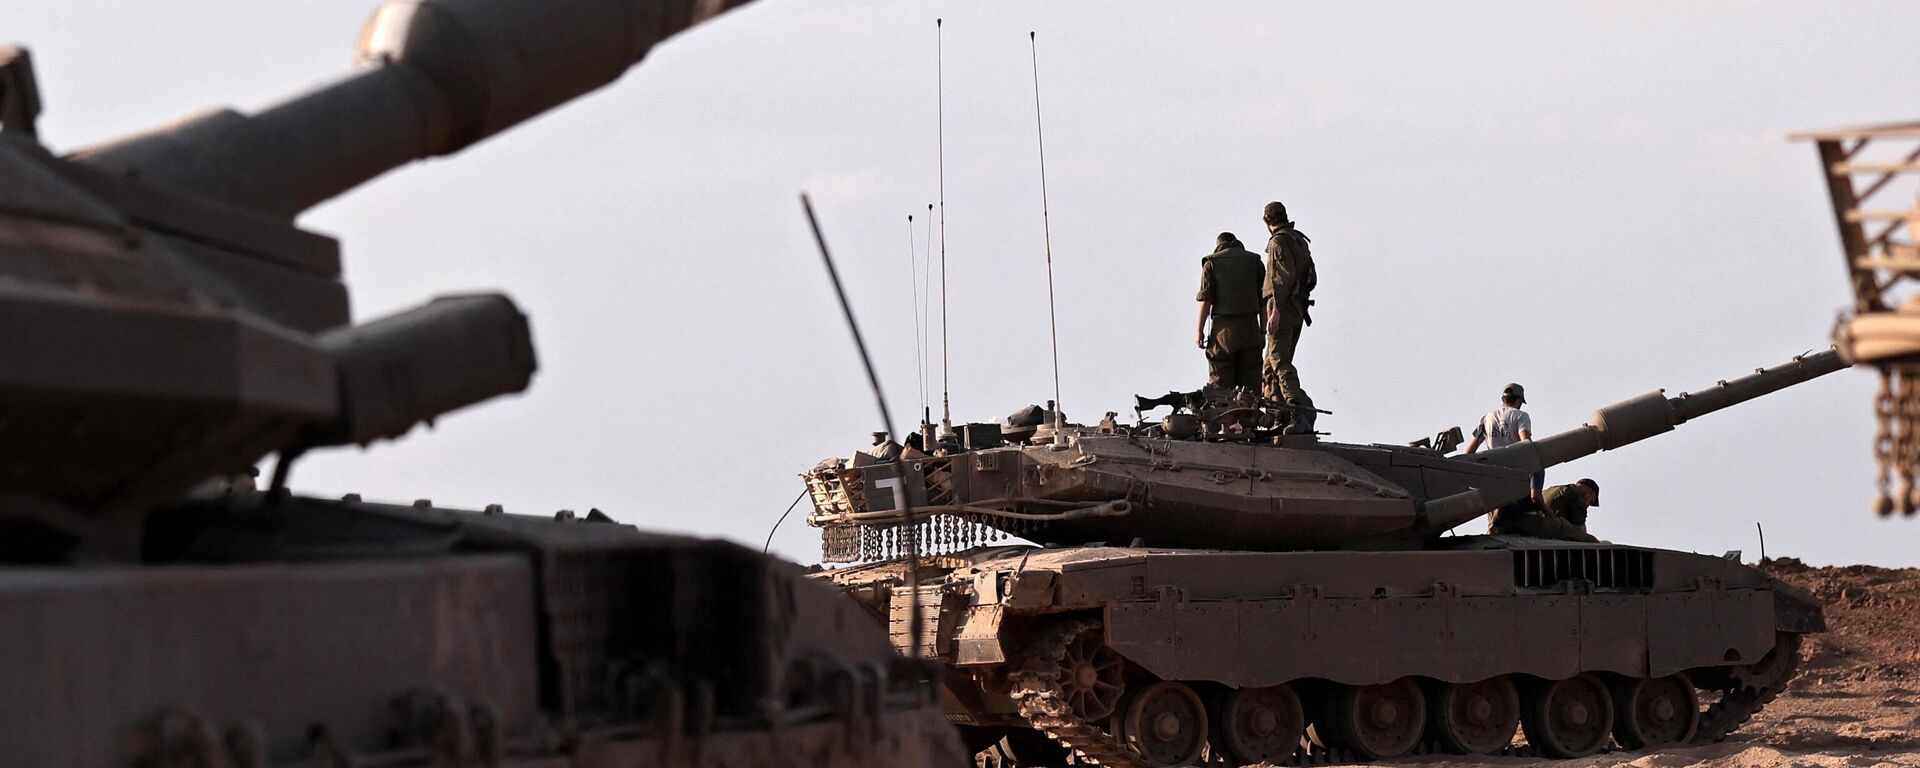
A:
(1037, 693)
(1038, 696)
(1745, 695)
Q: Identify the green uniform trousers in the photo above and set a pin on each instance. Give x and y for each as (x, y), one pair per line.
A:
(1532, 523)
(1233, 351)
(1279, 379)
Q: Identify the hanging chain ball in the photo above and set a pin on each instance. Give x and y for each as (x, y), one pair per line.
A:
(1883, 442)
(1896, 443)
(1901, 429)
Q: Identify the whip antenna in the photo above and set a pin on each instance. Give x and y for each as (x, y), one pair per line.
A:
(919, 339)
(910, 533)
(926, 330)
(768, 547)
(1046, 229)
(940, 126)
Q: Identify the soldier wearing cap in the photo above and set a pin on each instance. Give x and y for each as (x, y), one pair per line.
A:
(1563, 516)
(1505, 426)
(1286, 295)
(1230, 284)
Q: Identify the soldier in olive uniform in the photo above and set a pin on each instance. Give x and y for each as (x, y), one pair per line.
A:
(1230, 286)
(1564, 516)
(1570, 502)
(1290, 282)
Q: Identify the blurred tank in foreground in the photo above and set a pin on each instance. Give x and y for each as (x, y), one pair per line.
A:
(1208, 588)
(1873, 180)
(168, 326)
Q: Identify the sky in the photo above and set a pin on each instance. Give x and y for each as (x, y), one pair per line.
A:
(1592, 199)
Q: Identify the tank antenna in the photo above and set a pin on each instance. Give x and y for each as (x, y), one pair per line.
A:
(907, 529)
(768, 547)
(926, 331)
(1046, 229)
(913, 276)
(940, 127)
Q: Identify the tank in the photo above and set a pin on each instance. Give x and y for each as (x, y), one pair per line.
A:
(1205, 587)
(170, 325)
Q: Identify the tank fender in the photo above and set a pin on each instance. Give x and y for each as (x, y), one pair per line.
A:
(1795, 610)
(978, 641)
(1030, 590)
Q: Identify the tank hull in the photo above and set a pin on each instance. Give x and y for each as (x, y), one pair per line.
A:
(268, 629)
(1460, 614)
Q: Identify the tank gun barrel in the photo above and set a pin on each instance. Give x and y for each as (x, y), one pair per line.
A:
(437, 76)
(1653, 413)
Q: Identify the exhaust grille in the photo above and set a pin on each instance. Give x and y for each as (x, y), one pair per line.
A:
(1603, 568)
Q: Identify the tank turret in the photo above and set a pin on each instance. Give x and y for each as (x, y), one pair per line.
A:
(1230, 483)
(183, 327)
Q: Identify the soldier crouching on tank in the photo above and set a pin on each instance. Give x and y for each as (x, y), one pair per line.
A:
(1562, 514)
(1230, 283)
(1287, 294)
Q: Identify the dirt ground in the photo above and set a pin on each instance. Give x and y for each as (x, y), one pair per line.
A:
(1856, 701)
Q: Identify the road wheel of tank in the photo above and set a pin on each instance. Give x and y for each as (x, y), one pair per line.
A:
(1259, 725)
(1165, 723)
(1475, 718)
(1568, 718)
(1032, 749)
(1092, 676)
(1655, 712)
(1375, 721)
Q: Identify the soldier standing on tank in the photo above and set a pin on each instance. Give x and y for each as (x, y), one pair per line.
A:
(1230, 285)
(1286, 295)
(1505, 426)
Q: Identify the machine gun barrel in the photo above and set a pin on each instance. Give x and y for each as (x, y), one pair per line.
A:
(1653, 413)
(1174, 400)
(438, 75)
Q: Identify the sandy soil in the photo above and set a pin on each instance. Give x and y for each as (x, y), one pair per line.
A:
(1856, 702)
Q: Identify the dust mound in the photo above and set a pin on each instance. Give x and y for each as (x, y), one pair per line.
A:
(1873, 622)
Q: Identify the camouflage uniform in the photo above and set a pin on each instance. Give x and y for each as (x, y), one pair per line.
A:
(1566, 512)
(1231, 278)
(1288, 264)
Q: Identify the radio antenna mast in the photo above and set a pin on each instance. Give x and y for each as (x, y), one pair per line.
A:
(940, 126)
(919, 339)
(1046, 229)
(926, 332)
(908, 528)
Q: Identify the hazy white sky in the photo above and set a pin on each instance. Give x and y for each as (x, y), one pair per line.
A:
(1593, 199)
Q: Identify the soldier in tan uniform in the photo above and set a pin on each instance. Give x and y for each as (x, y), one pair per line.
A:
(1231, 280)
(1289, 284)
